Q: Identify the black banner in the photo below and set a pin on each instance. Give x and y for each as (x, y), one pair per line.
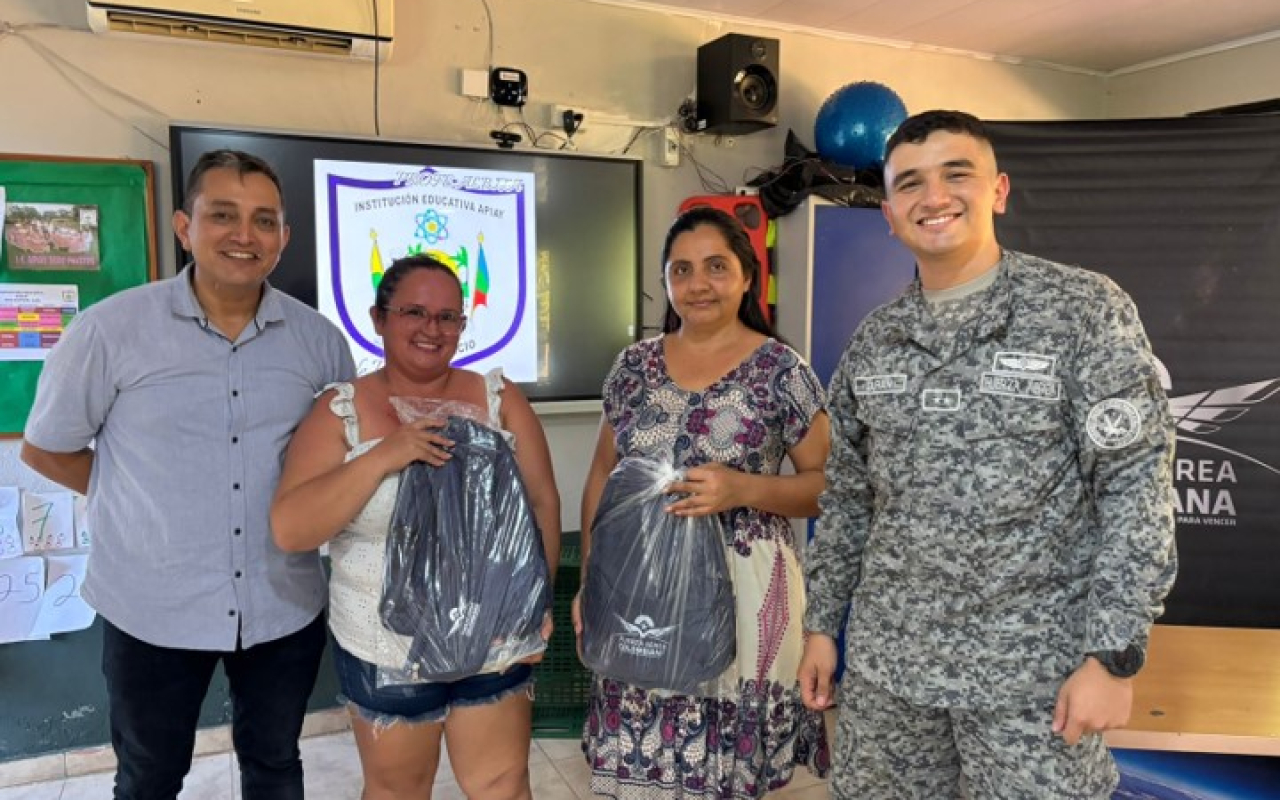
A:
(1185, 215)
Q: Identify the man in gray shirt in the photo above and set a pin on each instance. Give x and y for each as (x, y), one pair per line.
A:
(998, 505)
(188, 390)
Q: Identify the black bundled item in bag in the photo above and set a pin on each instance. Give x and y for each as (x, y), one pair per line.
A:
(657, 605)
(466, 583)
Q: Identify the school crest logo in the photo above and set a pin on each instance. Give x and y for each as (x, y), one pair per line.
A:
(479, 223)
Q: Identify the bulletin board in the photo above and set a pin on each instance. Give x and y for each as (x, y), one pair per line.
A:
(79, 229)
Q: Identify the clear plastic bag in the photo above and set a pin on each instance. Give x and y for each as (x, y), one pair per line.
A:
(658, 608)
(465, 586)
(412, 409)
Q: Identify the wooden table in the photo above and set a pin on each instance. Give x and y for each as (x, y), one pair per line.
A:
(1207, 690)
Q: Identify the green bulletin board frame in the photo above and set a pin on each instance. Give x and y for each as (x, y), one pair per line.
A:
(124, 193)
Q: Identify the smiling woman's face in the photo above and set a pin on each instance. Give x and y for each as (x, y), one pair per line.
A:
(415, 329)
(705, 280)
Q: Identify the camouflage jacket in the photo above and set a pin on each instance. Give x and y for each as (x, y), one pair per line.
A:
(999, 500)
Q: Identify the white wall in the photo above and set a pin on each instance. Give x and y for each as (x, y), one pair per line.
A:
(626, 62)
(1243, 75)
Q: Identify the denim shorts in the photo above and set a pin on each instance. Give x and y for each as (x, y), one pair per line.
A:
(420, 702)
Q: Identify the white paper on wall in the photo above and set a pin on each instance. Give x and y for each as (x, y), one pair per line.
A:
(21, 590)
(81, 508)
(62, 609)
(48, 521)
(10, 533)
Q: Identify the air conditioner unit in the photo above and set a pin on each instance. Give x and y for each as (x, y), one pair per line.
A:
(348, 28)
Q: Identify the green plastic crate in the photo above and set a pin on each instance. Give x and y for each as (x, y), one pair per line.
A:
(563, 684)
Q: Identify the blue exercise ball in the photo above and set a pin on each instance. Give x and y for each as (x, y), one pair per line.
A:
(856, 121)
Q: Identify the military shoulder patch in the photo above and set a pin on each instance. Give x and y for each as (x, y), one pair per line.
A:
(1113, 423)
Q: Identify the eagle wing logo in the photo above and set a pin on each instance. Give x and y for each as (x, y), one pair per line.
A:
(662, 633)
(629, 627)
(1024, 362)
(1207, 412)
(644, 628)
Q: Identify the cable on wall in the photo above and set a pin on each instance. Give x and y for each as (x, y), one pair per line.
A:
(377, 70)
(64, 68)
(488, 17)
(711, 182)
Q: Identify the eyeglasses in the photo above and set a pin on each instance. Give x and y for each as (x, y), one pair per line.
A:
(446, 321)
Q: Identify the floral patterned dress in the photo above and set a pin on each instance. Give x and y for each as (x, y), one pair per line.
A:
(644, 745)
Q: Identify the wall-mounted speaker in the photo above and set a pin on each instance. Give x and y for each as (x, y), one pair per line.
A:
(749, 212)
(738, 84)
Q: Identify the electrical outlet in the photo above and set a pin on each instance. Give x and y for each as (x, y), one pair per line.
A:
(670, 147)
(474, 83)
(558, 113)
(570, 122)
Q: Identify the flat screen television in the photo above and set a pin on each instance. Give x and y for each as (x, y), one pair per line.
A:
(547, 244)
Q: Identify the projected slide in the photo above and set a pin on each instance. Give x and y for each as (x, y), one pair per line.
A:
(479, 222)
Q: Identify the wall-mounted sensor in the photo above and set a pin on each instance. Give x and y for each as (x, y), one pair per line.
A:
(508, 86)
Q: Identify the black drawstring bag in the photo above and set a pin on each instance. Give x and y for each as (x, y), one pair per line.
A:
(466, 577)
(658, 606)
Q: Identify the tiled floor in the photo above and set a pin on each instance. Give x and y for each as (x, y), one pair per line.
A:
(556, 770)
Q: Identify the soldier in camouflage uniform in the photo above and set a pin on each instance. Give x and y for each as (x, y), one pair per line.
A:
(998, 505)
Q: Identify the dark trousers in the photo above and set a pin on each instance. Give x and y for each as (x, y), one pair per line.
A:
(156, 693)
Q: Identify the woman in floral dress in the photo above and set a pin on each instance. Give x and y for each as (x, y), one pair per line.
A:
(719, 396)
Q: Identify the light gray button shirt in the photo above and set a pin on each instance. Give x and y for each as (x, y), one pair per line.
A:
(189, 430)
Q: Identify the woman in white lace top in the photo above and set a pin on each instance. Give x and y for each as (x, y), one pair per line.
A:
(339, 486)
